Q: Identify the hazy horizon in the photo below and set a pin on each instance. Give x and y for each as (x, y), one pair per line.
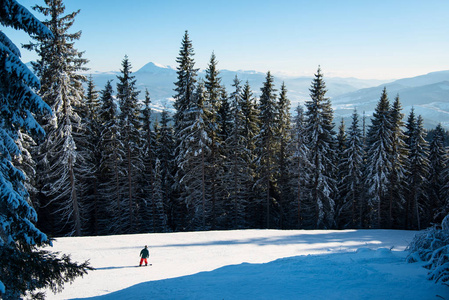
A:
(359, 39)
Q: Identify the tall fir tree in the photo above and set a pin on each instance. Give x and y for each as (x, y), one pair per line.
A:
(298, 170)
(267, 146)
(418, 170)
(396, 198)
(111, 171)
(192, 162)
(214, 170)
(378, 165)
(250, 130)
(352, 182)
(342, 214)
(237, 177)
(321, 139)
(24, 268)
(184, 88)
(187, 78)
(58, 67)
(284, 154)
(438, 157)
(165, 147)
(93, 131)
(149, 209)
(132, 142)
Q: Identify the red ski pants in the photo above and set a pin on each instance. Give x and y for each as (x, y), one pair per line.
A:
(143, 260)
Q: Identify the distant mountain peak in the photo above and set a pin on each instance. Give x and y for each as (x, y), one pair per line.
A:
(153, 67)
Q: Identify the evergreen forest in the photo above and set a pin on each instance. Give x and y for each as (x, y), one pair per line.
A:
(225, 159)
(82, 160)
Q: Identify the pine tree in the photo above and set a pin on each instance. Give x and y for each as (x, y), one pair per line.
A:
(352, 182)
(92, 135)
(418, 170)
(250, 130)
(398, 157)
(185, 88)
(437, 165)
(321, 140)
(213, 88)
(267, 144)
(378, 168)
(342, 214)
(411, 128)
(165, 153)
(58, 67)
(213, 104)
(111, 173)
(131, 139)
(237, 177)
(284, 155)
(148, 207)
(185, 85)
(23, 267)
(298, 170)
(193, 150)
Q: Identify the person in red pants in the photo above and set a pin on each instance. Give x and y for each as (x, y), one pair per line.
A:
(144, 254)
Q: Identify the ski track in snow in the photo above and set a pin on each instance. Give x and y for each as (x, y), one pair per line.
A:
(250, 264)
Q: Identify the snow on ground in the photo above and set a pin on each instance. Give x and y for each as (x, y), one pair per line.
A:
(250, 264)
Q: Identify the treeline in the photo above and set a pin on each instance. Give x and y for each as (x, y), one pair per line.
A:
(224, 159)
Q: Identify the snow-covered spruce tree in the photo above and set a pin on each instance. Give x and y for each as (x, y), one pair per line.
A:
(58, 67)
(165, 147)
(399, 152)
(214, 170)
(432, 246)
(88, 142)
(193, 150)
(298, 170)
(131, 140)
(267, 146)
(437, 166)
(418, 170)
(86, 166)
(185, 85)
(352, 182)
(185, 88)
(149, 212)
(236, 179)
(378, 161)
(321, 140)
(111, 173)
(23, 267)
(250, 129)
(411, 127)
(342, 212)
(284, 155)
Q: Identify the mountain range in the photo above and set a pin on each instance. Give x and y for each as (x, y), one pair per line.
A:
(428, 94)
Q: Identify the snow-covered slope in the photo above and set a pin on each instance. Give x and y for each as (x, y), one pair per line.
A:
(250, 264)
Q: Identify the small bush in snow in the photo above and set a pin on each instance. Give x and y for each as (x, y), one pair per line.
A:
(432, 247)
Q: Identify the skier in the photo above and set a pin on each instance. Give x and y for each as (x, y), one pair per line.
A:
(144, 254)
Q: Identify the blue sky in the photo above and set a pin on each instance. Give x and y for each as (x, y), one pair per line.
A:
(372, 39)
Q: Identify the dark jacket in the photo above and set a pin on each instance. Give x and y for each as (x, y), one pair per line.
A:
(145, 253)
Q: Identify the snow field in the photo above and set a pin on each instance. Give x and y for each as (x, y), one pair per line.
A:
(250, 264)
